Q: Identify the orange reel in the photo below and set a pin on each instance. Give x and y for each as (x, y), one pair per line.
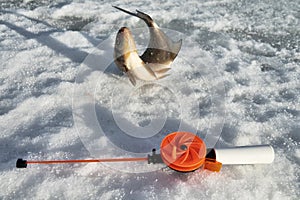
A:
(186, 152)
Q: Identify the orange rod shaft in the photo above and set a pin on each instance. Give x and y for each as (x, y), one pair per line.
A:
(86, 161)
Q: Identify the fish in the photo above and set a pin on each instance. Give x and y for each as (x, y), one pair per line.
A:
(155, 62)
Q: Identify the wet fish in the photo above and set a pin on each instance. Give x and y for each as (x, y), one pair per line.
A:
(155, 62)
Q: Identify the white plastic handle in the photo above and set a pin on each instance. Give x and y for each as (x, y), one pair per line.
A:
(262, 154)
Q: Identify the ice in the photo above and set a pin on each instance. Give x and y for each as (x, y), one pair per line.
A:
(57, 83)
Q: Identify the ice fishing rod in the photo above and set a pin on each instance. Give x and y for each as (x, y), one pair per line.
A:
(185, 152)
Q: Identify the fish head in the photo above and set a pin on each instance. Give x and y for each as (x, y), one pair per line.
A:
(124, 43)
(124, 46)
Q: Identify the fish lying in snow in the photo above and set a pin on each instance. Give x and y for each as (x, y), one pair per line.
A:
(155, 62)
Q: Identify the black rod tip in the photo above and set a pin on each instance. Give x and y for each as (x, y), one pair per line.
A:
(21, 163)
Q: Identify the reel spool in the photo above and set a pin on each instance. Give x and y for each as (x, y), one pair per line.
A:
(186, 152)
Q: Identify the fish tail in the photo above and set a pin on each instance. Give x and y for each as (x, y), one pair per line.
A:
(146, 18)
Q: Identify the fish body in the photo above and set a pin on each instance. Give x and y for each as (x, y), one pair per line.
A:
(155, 62)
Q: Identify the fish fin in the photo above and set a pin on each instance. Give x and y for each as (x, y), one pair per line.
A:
(163, 76)
(162, 71)
(144, 72)
(146, 18)
(157, 66)
(150, 71)
(176, 46)
(131, 78)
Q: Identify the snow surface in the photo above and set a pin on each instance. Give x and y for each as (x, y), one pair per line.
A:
(235, 82)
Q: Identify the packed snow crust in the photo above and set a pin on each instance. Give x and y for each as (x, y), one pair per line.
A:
(235, 82)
